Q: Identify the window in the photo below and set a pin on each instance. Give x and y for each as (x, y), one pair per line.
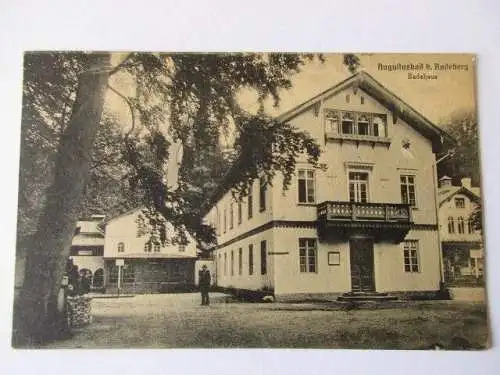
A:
(347, 98)
(225, 220)
(218, 220)
(250, 259)
(240, 261)
(459, 202)
(147, 247)
(307, 254)
(263, 257)
(182, 248)
(231, 216)
(232, 263)
(362, 100)
(358, 187)
(262, 193)
(239, 213)
(121, 247)
(451, 225)
(408, 190)
(470, 227)
(347, 123)
(250, 202)
(332, 122)
(156, 247)
(460, 225)
(363, 125)
(410, 252)
(225, 264)
(378, 126)
(306, 186)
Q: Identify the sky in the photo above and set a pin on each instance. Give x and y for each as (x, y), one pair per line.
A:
(436, 99)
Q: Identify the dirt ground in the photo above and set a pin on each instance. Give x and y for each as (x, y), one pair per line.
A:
(178, 321)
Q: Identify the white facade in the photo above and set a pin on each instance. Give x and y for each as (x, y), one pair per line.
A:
(365, 167)
(125, 239)
(461, 242)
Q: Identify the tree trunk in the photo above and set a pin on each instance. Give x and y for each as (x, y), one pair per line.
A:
(35, 312)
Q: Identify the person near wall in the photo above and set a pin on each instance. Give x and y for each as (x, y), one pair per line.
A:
(204, 281)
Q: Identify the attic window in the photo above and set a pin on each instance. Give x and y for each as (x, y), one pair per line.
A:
(348, 98)
(459, 202)
(362, 100)
(363, 125)
(347, 123)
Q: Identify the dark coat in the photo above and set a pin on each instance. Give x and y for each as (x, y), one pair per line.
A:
(204, 277)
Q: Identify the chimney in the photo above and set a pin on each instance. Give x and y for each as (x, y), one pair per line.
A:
(444, 181)
(466, 182)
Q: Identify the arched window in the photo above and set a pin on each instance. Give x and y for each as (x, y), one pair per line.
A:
(451, 225)
(461, 226)
(121, 247)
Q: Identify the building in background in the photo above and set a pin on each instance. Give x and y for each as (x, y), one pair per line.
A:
(366, 223)
(87, 250)
(462, 245)
(147, 266)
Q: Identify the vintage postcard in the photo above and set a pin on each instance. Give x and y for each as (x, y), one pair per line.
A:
(250, 200)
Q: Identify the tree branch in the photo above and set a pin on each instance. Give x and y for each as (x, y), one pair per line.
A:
(131, 107)
(121, 64)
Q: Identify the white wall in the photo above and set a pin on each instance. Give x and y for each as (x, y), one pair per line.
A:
(387, 164)
(246, 281)
(327, 279)
(389, 264)
(124, 229)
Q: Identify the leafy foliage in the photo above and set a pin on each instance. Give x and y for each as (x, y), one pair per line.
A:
(465, 159)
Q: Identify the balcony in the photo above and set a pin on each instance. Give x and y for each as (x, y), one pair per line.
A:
(383, 221)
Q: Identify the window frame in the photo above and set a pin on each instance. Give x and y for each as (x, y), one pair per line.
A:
(232, 263)
(407, 185)
(250, 202)
(120, 247)
(240, 261)
(451, 225)
(250, 259)
(309, 252)
(263, 257)
(368, 184)
(306, 179)
(262, 194)
(231, 216)
(459, 199)
(460, 225)
(412, 260)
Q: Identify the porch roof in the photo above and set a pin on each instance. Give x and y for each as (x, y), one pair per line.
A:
(88, 239)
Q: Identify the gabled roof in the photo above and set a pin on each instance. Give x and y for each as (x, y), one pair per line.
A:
(445, 193)
(379, 92)
(388, 99)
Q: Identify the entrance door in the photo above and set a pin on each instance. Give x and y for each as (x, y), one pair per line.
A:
(362, 279)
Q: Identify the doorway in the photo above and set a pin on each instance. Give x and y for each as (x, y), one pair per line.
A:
(362, 268)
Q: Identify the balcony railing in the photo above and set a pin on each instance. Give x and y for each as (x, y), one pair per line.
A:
(355, 211)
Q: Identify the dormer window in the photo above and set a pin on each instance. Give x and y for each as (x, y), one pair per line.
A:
(347, 123)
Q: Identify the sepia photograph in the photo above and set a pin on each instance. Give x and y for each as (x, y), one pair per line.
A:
(250, 200)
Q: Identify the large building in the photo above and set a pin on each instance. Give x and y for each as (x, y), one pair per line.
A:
(462, 244)
(146, 265)
(367, 222)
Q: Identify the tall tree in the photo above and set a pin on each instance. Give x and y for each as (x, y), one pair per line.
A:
(464, 148)
(196, 95)
(36, 315)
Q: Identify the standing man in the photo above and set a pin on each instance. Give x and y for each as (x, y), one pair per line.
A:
(204, 277)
